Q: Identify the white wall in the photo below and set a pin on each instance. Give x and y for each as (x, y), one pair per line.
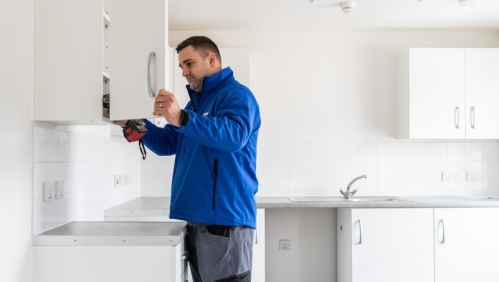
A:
(86, 162)
(16, 33)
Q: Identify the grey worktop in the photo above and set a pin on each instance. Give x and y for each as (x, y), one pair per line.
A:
(105, 233)
(157, 206)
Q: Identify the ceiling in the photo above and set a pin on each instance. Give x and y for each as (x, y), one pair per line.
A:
(258, 15)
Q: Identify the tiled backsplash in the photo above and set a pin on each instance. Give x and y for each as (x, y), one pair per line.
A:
(87, 165)
(401, 169)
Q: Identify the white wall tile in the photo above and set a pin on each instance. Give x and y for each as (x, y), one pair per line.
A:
(474, 188)
(156, 187)
(63, 146)
(421, 151)
(297, 152)
(39, 176)
(332, 151)
(315, 187)
(169, 165)
(473, 151)
(386, 169)
(368, 187)
(297, 170)
(456, 152)
(264, 151)
(264, 169)
(403, 186)
(333, 169)
(421, 187)
(491, 187)
(438, 188)
(386, 151)
(386, 186)
(52, 145)
(459, 166)
(154, 170)
(39, 144)
(298, 187)
(490, 151)
(350, 151)
(52, 172)
(264, 187)
(280, 170)
(280, 187)
(315, 169)
(315, 151)
(421, 169)
(350, 169)
(438, 151)
(332, 187)
(368, 151)
(370, 168)
(491, 169)
(456, 188)
(280, 151)
(403, 169)
(403, 152)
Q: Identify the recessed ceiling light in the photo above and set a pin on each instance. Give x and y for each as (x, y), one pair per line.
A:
(468, 2)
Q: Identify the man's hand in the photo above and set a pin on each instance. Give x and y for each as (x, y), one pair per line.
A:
(121, 123)
(166, 105)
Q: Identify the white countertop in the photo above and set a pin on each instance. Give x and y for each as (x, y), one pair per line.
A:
(160, 206)
(107, 233)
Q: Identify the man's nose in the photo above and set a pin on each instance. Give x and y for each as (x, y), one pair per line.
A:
(185, 72)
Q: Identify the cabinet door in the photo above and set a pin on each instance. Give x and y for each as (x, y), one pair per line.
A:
(466, 245)
(137, 29)
(258, 268)
(385, 245)
(67, 60)
(437, 93)
(482, 93)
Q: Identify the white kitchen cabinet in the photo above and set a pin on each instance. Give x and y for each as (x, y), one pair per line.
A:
(385, 245)
(482, 93)
(466, 245)
(107, 252)
(258, 268)
(85, 49)
(448, 93)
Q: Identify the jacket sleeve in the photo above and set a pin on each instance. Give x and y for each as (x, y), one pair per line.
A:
(162, 141)
(237, 116)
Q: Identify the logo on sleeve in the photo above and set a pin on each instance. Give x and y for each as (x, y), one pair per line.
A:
(206, 114)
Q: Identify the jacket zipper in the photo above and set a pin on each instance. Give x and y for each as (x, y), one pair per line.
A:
(215, 176)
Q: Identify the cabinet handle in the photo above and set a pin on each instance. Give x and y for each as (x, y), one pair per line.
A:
(360, 232)
(472, 117)
(456, 117)
(151, 93)
(443, 232)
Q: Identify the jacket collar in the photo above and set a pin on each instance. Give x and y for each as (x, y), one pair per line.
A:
(213, 81)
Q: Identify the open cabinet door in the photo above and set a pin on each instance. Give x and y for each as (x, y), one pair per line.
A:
(138, 30)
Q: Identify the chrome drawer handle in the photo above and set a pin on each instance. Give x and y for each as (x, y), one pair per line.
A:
(456, 117)
(151, 93)
(472, 117)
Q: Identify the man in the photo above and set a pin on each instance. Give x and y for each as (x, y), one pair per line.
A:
(214, 178)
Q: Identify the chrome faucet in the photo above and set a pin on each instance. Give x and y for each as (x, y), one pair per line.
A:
(348, 195)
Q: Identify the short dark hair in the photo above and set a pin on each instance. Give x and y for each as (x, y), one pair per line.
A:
(202, 44)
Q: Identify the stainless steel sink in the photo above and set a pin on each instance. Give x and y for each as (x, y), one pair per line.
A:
(342, 199)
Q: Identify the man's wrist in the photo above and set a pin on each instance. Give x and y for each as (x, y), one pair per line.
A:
(184, 118)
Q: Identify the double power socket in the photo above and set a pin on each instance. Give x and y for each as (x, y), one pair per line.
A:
(454, 176)
(53, 190)
(121, 180)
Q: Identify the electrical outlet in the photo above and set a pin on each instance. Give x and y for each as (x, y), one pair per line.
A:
(59, 189)
(122, 180)
(284, 245)
(471, 176)
(48, 190)
(450, 176)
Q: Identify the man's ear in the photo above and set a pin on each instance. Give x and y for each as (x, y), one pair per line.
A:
(212, 58)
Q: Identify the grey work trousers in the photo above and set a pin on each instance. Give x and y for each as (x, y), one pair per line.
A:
(220, 253)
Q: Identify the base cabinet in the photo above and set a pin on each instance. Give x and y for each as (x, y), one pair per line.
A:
(466, 245)
(258, 268)
(385, 245)
(108, 263)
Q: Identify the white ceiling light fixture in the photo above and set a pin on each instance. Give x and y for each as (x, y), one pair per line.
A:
(468, 2)
(347, 6)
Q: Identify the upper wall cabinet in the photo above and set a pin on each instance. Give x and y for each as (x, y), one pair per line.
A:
(84, 50)
(448, 93)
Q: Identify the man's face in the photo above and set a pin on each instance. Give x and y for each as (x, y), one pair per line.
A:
(194, 67)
